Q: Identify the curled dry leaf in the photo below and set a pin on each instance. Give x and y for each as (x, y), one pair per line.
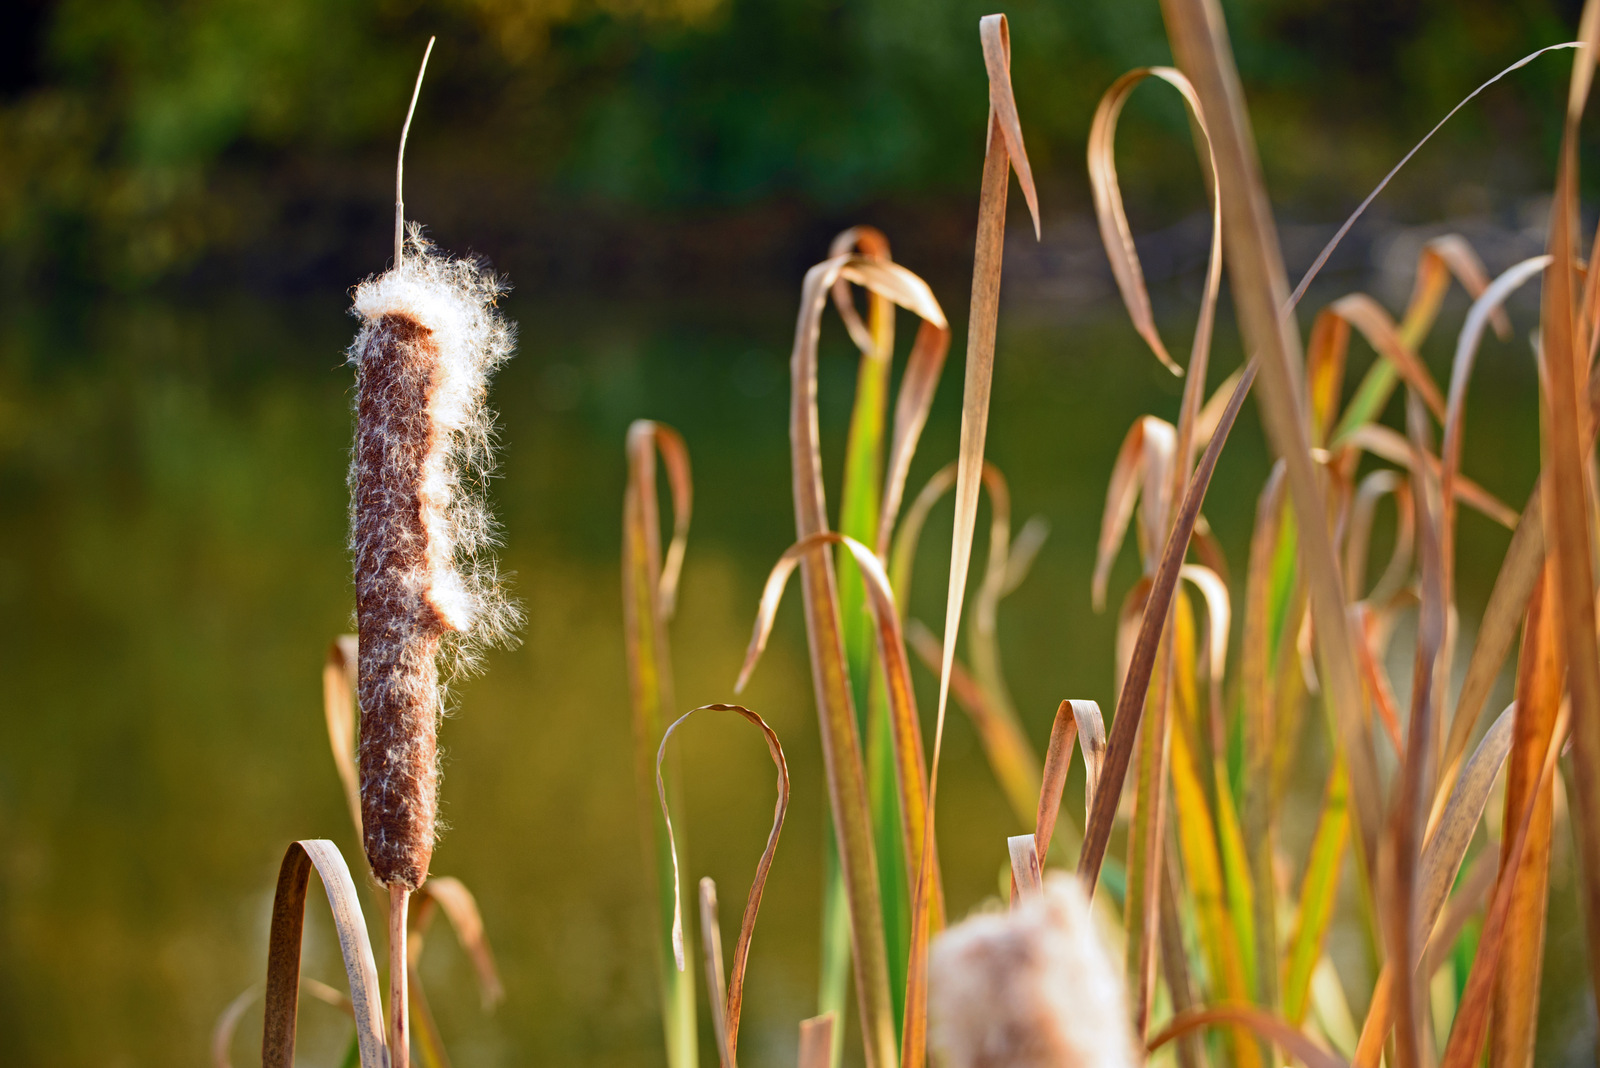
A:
(1144, 463)
(461, 909)
(747, 923)
(283, 954)
(1078, 721)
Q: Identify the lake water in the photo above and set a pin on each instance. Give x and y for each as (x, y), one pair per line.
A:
(172, 568)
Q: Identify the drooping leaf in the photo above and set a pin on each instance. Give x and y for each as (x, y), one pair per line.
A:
(758, 885)
(283, 954)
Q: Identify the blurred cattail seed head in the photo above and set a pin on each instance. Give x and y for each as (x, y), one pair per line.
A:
(1032, 988)
(420, 529)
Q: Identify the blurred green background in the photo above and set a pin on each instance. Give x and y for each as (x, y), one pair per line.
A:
(187, 190)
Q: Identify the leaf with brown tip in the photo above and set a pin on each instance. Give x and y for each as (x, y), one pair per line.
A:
(283, 954)
(758, 885)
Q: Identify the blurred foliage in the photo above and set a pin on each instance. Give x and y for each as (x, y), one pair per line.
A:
(140, 136)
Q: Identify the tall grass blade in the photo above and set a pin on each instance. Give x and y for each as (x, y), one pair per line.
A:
(1261, 294)
(1004, 153)
(841, 742)
(758, 885)
(859, 513)
(283, 954)
(649, 596)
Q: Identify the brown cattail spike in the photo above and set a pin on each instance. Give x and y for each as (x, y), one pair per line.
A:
(430, 335)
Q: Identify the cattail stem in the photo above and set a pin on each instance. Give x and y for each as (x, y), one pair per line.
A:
(400, 160)
(399, 1016)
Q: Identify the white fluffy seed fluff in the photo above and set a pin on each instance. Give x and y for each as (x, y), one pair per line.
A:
(454, 299)
(420, 530)
(1033, 988)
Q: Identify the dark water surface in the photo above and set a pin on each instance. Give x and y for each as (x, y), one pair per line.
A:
(172, 568)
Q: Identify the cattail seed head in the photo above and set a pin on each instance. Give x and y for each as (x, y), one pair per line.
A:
(420, 530)
(1033, 988)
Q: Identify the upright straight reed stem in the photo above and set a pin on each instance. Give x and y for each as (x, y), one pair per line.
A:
(400, 160)
(399, 1019)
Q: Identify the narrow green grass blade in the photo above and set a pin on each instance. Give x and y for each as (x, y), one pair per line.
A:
(858, 518)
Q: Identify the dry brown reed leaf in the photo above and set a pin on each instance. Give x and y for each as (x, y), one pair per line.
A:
(1440, 862)
(1261, 293)
(1514, 1012)
(283, 954)
(1489, 303)
(1567, 502)
(227, 1024)
(1117, 236)
(1027, 880)
(910, 762)
(816, 1041)
(1004, 152)
(1465, 1048)
(1144, 463)
(1080, 722)
(752, 906)
(1375, 324)
(869, 241)
(1389, 445)
(1326, 351)
(1131, 699)
(917, 386)
(460, 907)
(1370, 650)
(339, 709)
(1269, 1027)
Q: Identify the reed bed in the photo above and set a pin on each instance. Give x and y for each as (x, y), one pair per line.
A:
(1210, 944)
